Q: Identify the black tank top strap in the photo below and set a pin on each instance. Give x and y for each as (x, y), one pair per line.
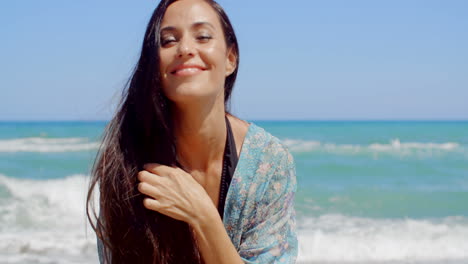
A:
(230, 160)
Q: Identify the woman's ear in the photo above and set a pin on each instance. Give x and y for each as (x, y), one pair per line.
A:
(231, 62)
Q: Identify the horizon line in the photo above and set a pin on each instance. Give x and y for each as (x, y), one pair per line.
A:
(249, 119)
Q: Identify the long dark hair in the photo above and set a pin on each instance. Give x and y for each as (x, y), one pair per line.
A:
(141, 132)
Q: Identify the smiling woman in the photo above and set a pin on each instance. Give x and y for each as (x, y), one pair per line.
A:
(180, 179)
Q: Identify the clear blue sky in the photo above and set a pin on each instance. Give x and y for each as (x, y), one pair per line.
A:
(302, 59)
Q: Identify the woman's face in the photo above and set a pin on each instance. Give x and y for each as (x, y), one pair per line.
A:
(194, 59)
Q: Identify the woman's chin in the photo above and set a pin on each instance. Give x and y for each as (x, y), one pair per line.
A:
(191, 97)
(184, 95)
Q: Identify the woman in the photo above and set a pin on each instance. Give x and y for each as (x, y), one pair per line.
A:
(180, 179)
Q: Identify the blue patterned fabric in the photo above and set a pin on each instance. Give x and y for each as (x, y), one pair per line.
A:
(259, 212)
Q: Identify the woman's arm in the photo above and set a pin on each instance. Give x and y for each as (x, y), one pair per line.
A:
(176, 194)
(212, 239)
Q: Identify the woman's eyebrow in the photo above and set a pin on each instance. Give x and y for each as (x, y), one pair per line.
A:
(194, 25)
(202, 23)
(168, 28)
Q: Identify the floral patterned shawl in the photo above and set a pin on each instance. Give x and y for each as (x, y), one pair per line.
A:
(259, 212)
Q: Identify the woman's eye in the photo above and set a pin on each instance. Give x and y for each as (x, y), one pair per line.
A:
(166, 40)
(204, 38)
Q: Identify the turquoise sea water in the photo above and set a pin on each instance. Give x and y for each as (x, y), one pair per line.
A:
(368, 192)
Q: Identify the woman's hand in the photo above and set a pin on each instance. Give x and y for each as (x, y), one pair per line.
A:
(174, 193)
(177, 194)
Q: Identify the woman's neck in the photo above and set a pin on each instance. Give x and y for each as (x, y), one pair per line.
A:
(200, 133)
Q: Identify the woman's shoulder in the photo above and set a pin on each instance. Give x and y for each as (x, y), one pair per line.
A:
(265, 145)
(255, 142)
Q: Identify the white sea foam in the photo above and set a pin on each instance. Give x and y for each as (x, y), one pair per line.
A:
(395, 146)
(44, 222)
(344, 239)
(40, 144)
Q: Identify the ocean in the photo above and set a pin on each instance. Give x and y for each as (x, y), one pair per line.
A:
(368, 191)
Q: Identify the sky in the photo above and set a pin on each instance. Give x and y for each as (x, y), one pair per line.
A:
(300, 60)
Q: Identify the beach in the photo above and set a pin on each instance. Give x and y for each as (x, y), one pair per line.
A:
(368, 191)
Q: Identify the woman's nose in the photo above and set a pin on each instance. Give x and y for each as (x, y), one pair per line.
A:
(186, 48)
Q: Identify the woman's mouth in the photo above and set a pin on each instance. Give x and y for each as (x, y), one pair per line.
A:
(187, 70)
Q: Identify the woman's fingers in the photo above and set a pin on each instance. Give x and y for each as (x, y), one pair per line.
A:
(163, 170)
(157, 168)
(164, 208)
(151, 178)
(172, 192)
(148, 189)
(152, 204)
(153, 184)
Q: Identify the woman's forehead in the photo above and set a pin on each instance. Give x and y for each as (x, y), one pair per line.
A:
(189, 12)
